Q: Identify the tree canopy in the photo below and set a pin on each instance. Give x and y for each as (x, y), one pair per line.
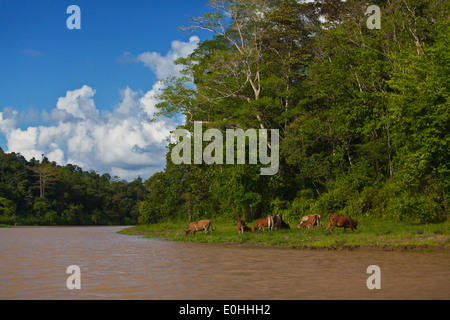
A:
(363, 113)
(44, 193)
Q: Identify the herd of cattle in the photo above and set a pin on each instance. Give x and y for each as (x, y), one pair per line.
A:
(275, 222)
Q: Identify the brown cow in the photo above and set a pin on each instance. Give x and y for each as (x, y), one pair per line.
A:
(242, 227)
(261, 224)
(310, 221)
(198, 226)
(341, 222)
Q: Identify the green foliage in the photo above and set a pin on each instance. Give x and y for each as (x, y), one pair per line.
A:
(71, 196)
(363, 114)
(7, 211)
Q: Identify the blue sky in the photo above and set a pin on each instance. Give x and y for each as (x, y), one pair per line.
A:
(70, 93)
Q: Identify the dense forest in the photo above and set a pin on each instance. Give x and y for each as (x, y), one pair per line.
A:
(362, 114)
(43, 193)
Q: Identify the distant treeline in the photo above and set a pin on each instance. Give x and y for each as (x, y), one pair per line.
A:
(363, 114)
(43, 193)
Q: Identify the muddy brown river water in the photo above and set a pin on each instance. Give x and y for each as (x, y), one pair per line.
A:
(34, 261)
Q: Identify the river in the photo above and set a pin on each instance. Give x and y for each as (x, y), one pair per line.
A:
(34, 262)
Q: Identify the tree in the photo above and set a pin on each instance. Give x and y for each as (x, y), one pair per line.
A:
(7, 208)
(363, 113)
(229, 80)
(46, 175)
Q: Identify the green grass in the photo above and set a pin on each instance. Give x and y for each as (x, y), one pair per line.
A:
(371, 232)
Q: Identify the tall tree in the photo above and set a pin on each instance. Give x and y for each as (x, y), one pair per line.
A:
(46, 177)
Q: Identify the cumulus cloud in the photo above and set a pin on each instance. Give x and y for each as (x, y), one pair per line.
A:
(122, 141)
(79, 103)
(163, 66)
(9, 118)
(8, 121)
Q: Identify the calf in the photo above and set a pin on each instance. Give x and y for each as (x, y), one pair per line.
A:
(198, 226)
(242, 227)
(261, 224)
(339, 221)
(310, 221)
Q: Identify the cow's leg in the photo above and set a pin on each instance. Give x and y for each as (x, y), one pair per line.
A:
(332, 225)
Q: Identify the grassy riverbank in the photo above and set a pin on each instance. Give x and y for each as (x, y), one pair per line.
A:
(380, 234)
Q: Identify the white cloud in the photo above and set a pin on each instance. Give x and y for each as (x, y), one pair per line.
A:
(24, 142)
(57, 115)
(122, 142)
(7, 124)
(149, 100)
(163, 66)
(57, 155)
(79, 103)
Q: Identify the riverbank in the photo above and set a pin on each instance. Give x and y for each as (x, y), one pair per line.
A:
(371, 234)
